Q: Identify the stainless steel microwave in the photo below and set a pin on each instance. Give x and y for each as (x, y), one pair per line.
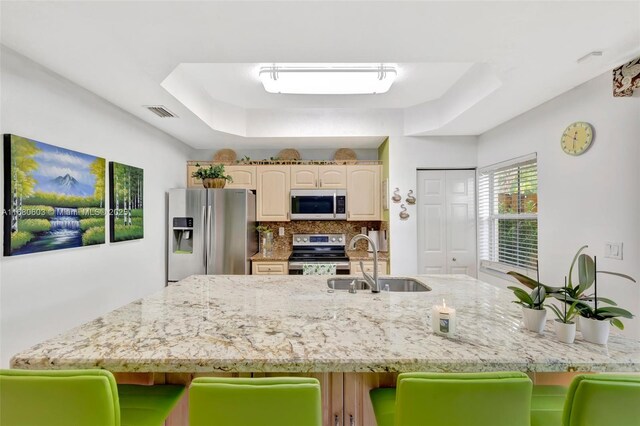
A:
(318, 204)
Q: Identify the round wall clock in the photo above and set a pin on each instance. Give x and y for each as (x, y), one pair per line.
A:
(577, 138)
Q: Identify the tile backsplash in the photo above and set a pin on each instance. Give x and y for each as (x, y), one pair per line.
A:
(319, 227)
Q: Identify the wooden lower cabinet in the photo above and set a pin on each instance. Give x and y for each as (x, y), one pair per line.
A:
(269, 268)
(358, 410)
(368, 267)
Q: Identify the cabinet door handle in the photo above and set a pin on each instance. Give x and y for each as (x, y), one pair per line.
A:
(454, 259)
(320, 183)
(352, 421)
(336, 420)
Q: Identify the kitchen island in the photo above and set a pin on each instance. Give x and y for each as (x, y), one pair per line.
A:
(266, 325)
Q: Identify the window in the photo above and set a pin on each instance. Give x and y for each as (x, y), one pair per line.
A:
(508, 215)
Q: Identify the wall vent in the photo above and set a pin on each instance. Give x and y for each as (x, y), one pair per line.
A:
(160, 110)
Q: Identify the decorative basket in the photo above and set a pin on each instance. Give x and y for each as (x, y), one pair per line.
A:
(214, 183)
(289, 154)
(226, 156)
(345, 155)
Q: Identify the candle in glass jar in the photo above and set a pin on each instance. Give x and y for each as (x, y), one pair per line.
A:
(443, 319)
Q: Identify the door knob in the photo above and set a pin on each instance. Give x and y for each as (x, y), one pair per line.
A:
(454, 259)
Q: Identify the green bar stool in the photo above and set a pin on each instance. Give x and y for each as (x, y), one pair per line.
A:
(455, 399)
(281, 401)
(603, 399)
(81, 398)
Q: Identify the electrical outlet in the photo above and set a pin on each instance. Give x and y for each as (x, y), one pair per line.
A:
(281, 231)
(613, 250)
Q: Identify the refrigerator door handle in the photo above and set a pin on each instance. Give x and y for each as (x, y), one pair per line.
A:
(208, 233)
(204, 240)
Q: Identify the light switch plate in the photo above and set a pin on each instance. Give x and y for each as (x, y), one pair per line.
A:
(613, 250)
(281, 231)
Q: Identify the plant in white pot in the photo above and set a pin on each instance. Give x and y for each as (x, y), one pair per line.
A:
(595, 321)
(564, 325)
(533, 311)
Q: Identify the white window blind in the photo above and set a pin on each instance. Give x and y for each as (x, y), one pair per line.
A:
(508, 215)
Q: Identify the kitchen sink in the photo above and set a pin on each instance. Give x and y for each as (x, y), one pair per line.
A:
(395, 284)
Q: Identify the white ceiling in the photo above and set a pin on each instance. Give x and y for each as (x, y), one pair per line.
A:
(238, 84)
(524, 54)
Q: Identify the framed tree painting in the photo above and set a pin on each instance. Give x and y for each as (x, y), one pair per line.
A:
(126, 215)
(53, 197)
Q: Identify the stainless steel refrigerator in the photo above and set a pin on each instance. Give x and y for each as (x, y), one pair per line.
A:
(211, 231)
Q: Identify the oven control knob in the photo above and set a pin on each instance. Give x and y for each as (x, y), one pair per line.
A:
(333, 239)
(304, 239)
(298, 239)
(340, 239)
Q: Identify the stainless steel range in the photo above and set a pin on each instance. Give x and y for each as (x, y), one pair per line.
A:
(318, 248)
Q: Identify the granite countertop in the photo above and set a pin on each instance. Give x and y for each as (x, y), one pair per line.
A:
(283, 323)
(276, 256)
(355, 255)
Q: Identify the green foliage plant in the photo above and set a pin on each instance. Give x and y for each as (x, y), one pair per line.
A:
(215, 171)
(575, 293)
(262, 229)
(565, 316)
(534, 300)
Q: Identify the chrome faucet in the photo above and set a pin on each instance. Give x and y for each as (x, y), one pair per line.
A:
(371, 280)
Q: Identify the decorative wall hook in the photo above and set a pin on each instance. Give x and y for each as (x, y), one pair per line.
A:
(403, 214)
(410, 198)
(396, 196)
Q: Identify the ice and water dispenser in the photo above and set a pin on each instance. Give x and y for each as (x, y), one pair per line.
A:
(183, 235)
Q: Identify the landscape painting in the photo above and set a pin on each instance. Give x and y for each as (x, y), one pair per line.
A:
(54, 198)
(126, 202)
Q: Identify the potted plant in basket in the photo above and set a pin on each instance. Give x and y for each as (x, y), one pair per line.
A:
(213, 176)
(533, 309)
(595, 320)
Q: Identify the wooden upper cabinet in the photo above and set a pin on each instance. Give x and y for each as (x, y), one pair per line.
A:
(272, 193)
(311, 177)
(191, 181)
(332, 177)
(304, 177)
(363, 193)
(244, 177)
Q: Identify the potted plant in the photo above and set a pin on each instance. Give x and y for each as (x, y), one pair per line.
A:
(533, 311)
(564, 325)
(212, 176)
(595, 321)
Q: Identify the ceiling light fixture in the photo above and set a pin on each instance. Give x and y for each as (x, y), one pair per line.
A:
(327, 79)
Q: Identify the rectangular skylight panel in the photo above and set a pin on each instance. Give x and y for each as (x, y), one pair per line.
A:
(327, 79)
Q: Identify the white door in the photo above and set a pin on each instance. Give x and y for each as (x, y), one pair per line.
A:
(446, 222)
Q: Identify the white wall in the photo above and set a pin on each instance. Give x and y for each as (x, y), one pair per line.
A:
(588, 199)
(406, 155)
(46, 293)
